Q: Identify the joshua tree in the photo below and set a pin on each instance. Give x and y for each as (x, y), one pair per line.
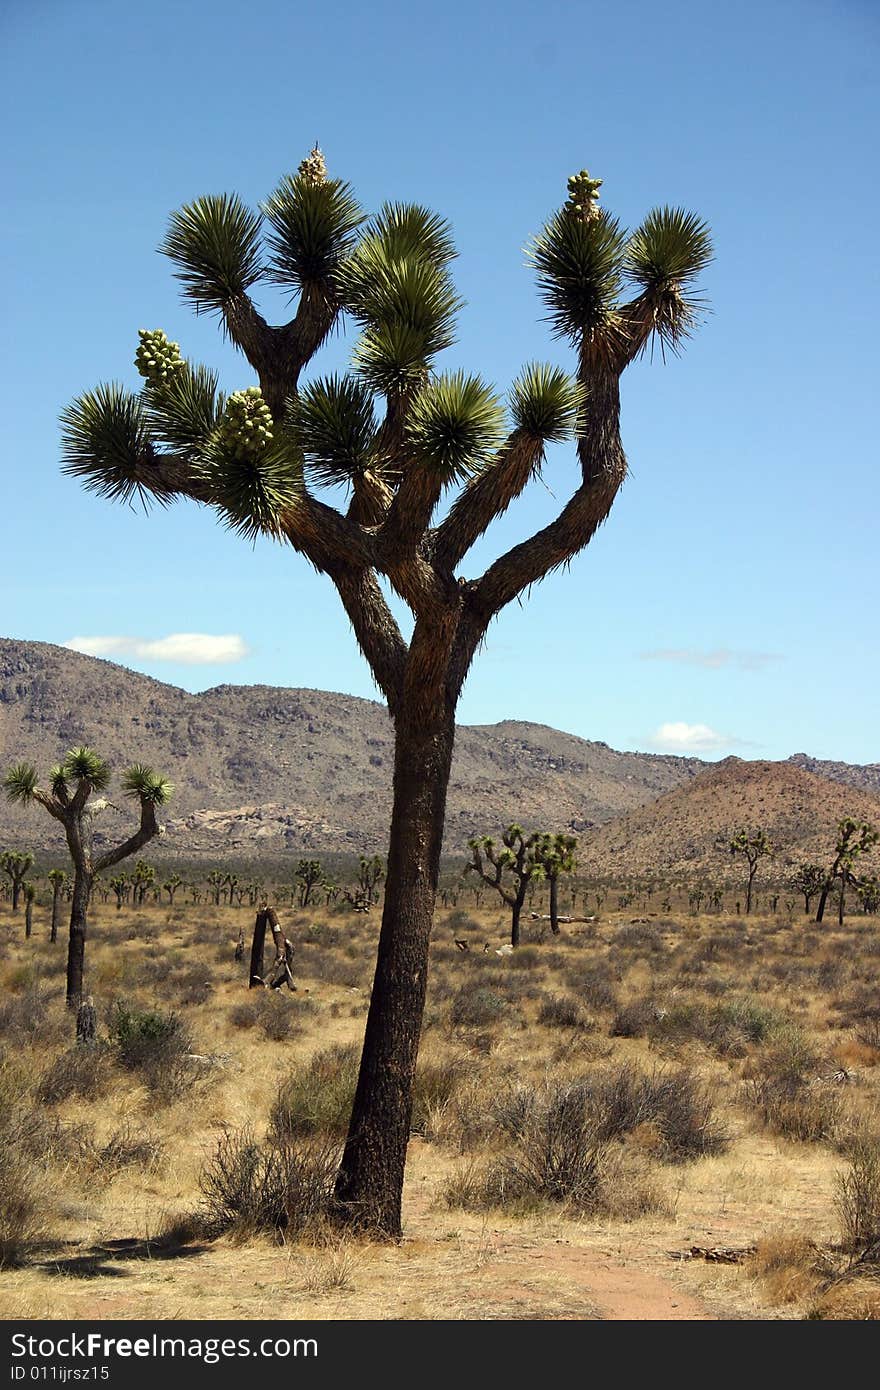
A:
(809, 880)
(519, 859)
(171, 886)
(121, 887)
(258, 456)
(57, 878)
(555, 853)
(309, 875)
(754, 846)
(868, 890)
(17, 866)
(142, 880)
(68, 799)
(370, 874)
(854, 838)
(215, 883)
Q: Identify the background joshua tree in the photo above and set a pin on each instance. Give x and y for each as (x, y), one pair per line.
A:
(309, 875)
(67, 799)
(370, 874)
(17, 865)
(171, 886)
(854, 838)
(57, 878)
(519, 859)
(30, 897)
(215, 883)
(397, 433)
(809, 879)
(754, 846)
(555, 853)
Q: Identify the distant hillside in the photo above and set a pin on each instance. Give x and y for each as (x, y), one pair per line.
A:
(263, 769)
(865, 777)
(679, 833)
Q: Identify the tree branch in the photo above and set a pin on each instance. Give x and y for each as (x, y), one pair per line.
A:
(378, 635)
(486, 496)
(145, 832)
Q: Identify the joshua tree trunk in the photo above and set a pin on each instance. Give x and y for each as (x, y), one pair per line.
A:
(515, 913)
(76, 948)
(554, 904)
(370, 1178)
(56, 911)
(823, 899)
(28, 917)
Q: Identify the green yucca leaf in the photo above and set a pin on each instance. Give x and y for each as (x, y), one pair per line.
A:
(313, 227)
(407, 229)
(379, 288)
(671, 244)
(183, 414)
(20, 783)
(85, 765)
(142, 782)
(391, 358)
(669, 249)
(252, 491)
(335, 427)
(546, 403)
(453, 424)
(215, 243)
(578, 265)
(58, 781)
(105, 437)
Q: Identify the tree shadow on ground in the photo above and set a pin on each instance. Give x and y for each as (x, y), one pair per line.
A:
(98, 1260)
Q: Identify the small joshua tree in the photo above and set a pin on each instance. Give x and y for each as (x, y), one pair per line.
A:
(57, 878)
(518, 859)
(555, 853)
(754, 846)
(809, 879)
(370, 874)
(854, 838)
(171, 886)
(68, 798)
(17, 866)
(309, 875)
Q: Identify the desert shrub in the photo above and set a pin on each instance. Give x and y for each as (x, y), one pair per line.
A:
(436, 1082)
(807, 1114)
(283, 1187)
(633, 1020)
(595, 984)
(333, 969)
(316, 1098)
(639, 936)
(477, 1007)
(561, 1011)
(857, 1200)
(84, 1071)
(25, 1017)
(277, 1015)
(526, 958)
(22, 1207)
(675, 1103)
(157, 1046)
(130, 1148)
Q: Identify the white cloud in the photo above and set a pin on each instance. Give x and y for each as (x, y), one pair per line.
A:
(186, 648)
(679, 737)
(715, 660)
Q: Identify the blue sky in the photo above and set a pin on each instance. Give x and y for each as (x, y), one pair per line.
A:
(730, 603)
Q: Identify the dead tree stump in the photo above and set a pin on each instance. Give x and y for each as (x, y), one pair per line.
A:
(87, 1021)
(281, 971)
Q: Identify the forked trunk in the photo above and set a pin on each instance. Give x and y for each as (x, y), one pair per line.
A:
(370, 1179)
(76, 947)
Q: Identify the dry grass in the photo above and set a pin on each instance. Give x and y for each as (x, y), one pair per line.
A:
(772, 1025)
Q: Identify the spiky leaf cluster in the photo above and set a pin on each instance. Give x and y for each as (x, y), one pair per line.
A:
(83, 764)
(105, 436)
(313, 221)
(397, 286)
(546, 403)
(142, 784)
(453, 424)
(157, 359)
(252, 491)
(20, 783)
(663, 257)
(246, 425)
(215, 243)
(335, 427)
(186, 412)
(579, 265)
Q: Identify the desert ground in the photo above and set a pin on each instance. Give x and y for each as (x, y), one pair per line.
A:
(651, 1116)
